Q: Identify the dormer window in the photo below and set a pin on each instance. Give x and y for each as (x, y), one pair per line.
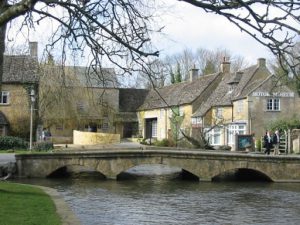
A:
(231, 88)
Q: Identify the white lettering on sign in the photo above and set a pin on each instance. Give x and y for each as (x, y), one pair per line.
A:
(274, 94)
(260, 94)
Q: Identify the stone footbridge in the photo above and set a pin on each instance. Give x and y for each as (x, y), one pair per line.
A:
(203, 164)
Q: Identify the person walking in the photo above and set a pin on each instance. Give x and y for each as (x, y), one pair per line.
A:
(276, 142)
(268, 142)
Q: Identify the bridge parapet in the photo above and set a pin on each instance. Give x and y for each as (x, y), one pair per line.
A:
(204, 164)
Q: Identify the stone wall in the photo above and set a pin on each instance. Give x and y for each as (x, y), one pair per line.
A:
(91, 138)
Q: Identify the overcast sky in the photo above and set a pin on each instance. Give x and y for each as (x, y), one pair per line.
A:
(187, 26)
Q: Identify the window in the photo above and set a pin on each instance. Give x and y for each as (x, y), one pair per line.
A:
(105, 124)
(219, 113)
(80, 106)
(196, 121)
(154, 128)
(234, 129)
(214, 136)
(59, 127)
(4, 98)
(240, 106)
(273, 104)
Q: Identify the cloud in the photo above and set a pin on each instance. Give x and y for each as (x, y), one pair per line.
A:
(187, 26)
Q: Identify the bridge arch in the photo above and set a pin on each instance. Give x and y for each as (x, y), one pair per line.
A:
(71, 169)
(242, 174)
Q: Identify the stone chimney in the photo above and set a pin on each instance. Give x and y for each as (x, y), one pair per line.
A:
(193, 74)
(33, 49)
(261, 62)
(225, 66)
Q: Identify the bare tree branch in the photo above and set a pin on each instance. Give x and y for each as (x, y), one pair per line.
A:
(274, 24)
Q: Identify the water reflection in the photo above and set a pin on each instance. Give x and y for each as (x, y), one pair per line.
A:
(157, 199)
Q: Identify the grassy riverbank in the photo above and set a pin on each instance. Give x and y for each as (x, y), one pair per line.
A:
(26, 205)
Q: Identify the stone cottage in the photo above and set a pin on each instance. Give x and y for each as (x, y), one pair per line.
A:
(20, 76)
(245, 102)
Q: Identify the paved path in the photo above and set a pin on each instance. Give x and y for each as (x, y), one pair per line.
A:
(7, 157)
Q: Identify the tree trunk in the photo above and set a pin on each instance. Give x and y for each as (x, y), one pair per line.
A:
(2, 44)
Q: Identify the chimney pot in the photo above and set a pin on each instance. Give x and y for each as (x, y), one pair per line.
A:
(193, 74)
(33, 49)
(225, 66)
(261, 62)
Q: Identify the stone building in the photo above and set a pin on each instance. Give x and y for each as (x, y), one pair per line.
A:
(75, 98)
(171, 107)
(245, 102)
(20, 76)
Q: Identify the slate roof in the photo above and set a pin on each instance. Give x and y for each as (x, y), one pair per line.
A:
(106, 77)
(131, 99)
(20, 69)
(77, 76)
(177, 94)
(243, 83)
(3, 120)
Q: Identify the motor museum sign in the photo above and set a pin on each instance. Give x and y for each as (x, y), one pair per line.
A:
(273, 94)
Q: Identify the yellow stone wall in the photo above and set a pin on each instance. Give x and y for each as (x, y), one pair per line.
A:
(224, 119)
(91, 138)
(240, 110)
(163, 120)
(17, 112)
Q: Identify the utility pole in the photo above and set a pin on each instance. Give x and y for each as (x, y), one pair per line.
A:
(32, 100)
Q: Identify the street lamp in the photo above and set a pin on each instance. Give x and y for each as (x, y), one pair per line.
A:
(32, 100)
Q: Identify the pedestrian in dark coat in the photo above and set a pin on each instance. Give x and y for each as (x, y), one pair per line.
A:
(268, 142)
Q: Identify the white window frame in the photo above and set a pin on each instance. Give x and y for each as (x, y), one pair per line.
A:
(273, 104)
(6, 94)
(233, 129)
(240, 106)
(219, 113)
(197, 121)
(214, 136)
(154, 128)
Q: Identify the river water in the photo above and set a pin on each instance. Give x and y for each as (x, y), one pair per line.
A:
(157, 199)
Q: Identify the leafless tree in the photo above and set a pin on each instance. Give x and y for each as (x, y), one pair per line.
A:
(119, 30)
(274, 24)
(116, 30)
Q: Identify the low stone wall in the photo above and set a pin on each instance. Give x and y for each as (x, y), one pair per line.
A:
(61, 140)
(91, 138)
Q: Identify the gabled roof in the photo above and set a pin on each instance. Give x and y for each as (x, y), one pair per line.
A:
(177, 94)
(233, 86)
(272, 85)
(20, 69)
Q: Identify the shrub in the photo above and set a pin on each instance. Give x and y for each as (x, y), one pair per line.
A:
(162, 143)
(43, 146)
(285, 124)
(10, 142)
(258, 144)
